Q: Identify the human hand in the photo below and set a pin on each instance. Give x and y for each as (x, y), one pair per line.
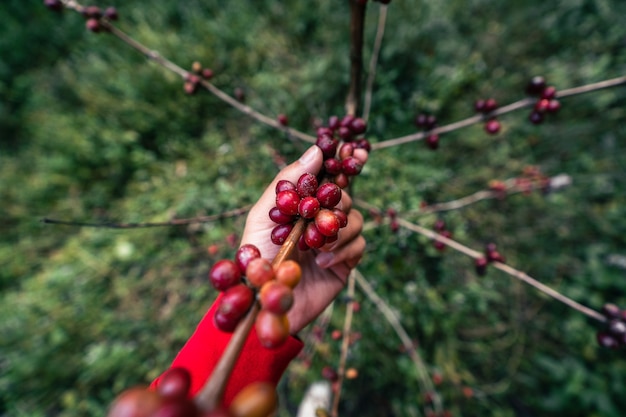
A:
(325, 270)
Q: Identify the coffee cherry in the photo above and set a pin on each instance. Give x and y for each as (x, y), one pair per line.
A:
(288, 273)
(345, 133)
(175, 383)
(535, 117)
(224, 274)
(440, 225)
(92, 12)
(332, 166)
(554, 106)
(328, 195)
(235, 302)
(280, 233)
(271, 329)
(328, 145)
(358, 126)
(492, 126)
(607, 340)
(259, 271)
(54, 5)
(342, 180)
(245, 254)
(258, 399)
(363, 144)
(327, 223)
(207, 73)
(535, 86)
(542, 105)
(93, 25)
(425, 121)
(111, 13)
(313, 237)
(611, 311)
(309, 207)
(177, 408)
(479, 106)
(432, 141)
(287, 202)
(284, 185)
(282, 119)
(276, 297)
(346, 150)
(548, 93)
(330, 373)
(302, 245)
(279, 217)
(617, 328)
(341, 216)
(480, 264)
(307, 185)
(136, 402)
(490, 105)
(351, 166)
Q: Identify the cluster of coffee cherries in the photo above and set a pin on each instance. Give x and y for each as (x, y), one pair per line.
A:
(171, 399)
(486, 107)
(428, 122)
(491, 255)
(546, 99)
(249, 278)
(192, 79)
(614, 334)
(441, 228)
(93, 14)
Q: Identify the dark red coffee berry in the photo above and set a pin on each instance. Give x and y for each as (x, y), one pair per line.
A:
(345, 133)
(111, 13)
(535, 117)
(332, 166)
(313, 237)
(611, 311)
(245, 254)
(224, 274)
(175, 383)
(554, 106)
(282, 119)
(432, 141)
(330, 374)
(328, 145)
(617, 328)
(490, 105)
(235, 301)
(341, 216)
(440, 225)
(492, 126)
(535, 86)
(479, 106)
(342, 180)
(480, 264)
(542, 105)
(346, 150)
(328, 195)
(309, 207)
(358, 126)
(93, 25)
(287, 202)
(279, 217)
(54, 5)
(283, 185)
(207, 73)
(333, 122)
(549, 92)
(363, 144)
(351, 166)
(92, 12)
(607, 340)
(307, 185)
(346, 120)
(280, 233)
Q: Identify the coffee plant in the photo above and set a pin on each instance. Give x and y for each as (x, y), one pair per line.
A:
(493, 199)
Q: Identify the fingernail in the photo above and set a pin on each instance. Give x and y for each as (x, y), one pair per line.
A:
(324, 259)
(309, 155)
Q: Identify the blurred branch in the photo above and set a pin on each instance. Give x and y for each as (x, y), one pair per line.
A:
(526, 102)
(357, 19)
(176, 222)
(371, 76)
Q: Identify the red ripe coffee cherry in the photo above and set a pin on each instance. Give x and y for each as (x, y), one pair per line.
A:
(490, 105)
(93, 25)
(271, 329)
(309, 207)
(333, 122)
(330, 374)
(341, 216)
(258, 399)
(259, 271)
(92, 12)
(327, 223)
(332, 166)
(328, 195)
(345, 133)
(283, 185)
(363, 144)
(536, 85)
(245, 254)
(481, 266)
(542, 105)
(111, 13)
(611, 311)
(287, 202)
(282, 119)
(280, 233)
(313, 237)
(346, 150)
(432, 141)
(276, 297)
(307, 185)
(607, 340)
(548, 92)
(358, 126)
(328, 145)
(347, 120)
(175, 383)
(279, 217)
(342, 180)
(55, 5)
(536, 117)
(351, 166)
(235, 302)
(554, 106)
(224, 274)
(492, 126)
(207, 73)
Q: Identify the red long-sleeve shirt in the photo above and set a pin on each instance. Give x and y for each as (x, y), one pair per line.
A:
(256, 363)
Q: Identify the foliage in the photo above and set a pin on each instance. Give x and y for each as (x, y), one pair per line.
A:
(92, 132)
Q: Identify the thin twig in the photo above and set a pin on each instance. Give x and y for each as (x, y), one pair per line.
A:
(175, 222)
(526, 102)
(345, 344)
(423, 378)
(371, 76)
(357, 20)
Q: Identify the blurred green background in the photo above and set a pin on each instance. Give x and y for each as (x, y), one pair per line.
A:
(91, 131)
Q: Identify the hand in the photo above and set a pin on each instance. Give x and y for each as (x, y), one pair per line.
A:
(324, 271)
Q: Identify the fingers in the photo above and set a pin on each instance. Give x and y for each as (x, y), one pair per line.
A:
(349, 246)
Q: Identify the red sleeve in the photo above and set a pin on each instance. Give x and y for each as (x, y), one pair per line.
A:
(205, 346)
